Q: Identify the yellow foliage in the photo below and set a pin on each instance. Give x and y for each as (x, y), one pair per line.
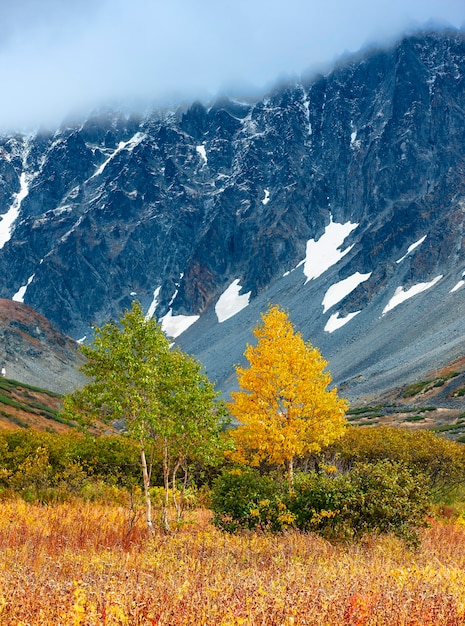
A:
(284, 408)
(67, 564)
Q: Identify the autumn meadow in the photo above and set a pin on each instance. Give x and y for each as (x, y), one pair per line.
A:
(74, 564)
(285, 516)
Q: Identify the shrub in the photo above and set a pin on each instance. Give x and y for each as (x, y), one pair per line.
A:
(242, 498)
(387, 497)
(381, 497)
(425, 452)
(319, 502)
(48, 467)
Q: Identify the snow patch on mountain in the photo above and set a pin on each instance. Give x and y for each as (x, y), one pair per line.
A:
(459, 285)
(172, 325)
(202, 152)
(123, 145)
(340, 290)
(306, 103)
(354, 142)
(19, 295)
(153, 304)
(400, 295)
(175, 325)
(324, 253)
(336, 322)
(230, 302)
(412, 248)
(9, 218)
(266, 199)
(72, 229)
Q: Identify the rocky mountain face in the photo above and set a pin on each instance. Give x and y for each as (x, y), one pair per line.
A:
(340, 197)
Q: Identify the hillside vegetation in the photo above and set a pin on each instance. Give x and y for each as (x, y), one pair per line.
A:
(305, 520)
(26, 406)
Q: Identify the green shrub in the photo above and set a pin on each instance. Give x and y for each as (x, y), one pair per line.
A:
(47, 467)
(319, 502)
(387, 497)
(425, 452)
(381, 497)
(245, 499)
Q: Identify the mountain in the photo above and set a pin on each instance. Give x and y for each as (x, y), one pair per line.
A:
(339, 196)
(35, 352)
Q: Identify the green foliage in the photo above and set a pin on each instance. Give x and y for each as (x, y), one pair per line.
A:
(444, 428)
(162, 395)
(425, 385)
(387, 497)
(20, 396)
(380, 497)
(423, 451)
(367, 409)
(49, 467)
(242, 498)
(8, 383)
(414, 418)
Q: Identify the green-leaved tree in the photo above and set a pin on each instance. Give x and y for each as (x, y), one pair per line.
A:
(165, 399)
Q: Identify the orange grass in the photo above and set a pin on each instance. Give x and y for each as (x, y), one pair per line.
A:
(76, 564)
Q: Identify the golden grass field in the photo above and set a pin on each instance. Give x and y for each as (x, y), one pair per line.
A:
(76, 564)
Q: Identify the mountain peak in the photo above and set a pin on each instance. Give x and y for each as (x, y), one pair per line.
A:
(236, 202)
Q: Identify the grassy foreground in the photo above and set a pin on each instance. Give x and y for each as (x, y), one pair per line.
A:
(79, 564)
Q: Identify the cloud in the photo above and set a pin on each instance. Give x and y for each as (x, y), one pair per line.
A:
(57, 57)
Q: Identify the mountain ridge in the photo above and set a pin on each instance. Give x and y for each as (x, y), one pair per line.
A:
(183, 210)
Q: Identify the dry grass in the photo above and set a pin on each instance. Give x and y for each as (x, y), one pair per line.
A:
(78, 565)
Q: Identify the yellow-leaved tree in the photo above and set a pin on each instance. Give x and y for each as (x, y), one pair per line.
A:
(284, 408)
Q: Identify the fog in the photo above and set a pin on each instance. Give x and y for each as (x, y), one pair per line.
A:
(58, 60)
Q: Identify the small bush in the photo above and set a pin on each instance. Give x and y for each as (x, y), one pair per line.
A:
(46, 467)
(387, 497)
(244, 499)
(319, 503)
(381, 497)
(424, 452)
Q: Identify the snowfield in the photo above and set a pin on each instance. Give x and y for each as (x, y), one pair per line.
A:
(324, 253)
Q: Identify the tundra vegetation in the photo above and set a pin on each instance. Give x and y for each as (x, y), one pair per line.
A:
(292, 516)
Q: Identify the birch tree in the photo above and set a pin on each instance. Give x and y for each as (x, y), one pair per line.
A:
(284, 407)
(165, 400)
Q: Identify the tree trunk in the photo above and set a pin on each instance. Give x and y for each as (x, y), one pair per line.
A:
(290, 474)
(176, 502)
(166, 481)
(179, 499)
(148, 500)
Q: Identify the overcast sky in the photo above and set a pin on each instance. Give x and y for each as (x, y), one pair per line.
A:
(58, 56)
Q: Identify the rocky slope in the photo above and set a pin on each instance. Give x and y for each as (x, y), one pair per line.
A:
(341, 197)
(35, 352)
